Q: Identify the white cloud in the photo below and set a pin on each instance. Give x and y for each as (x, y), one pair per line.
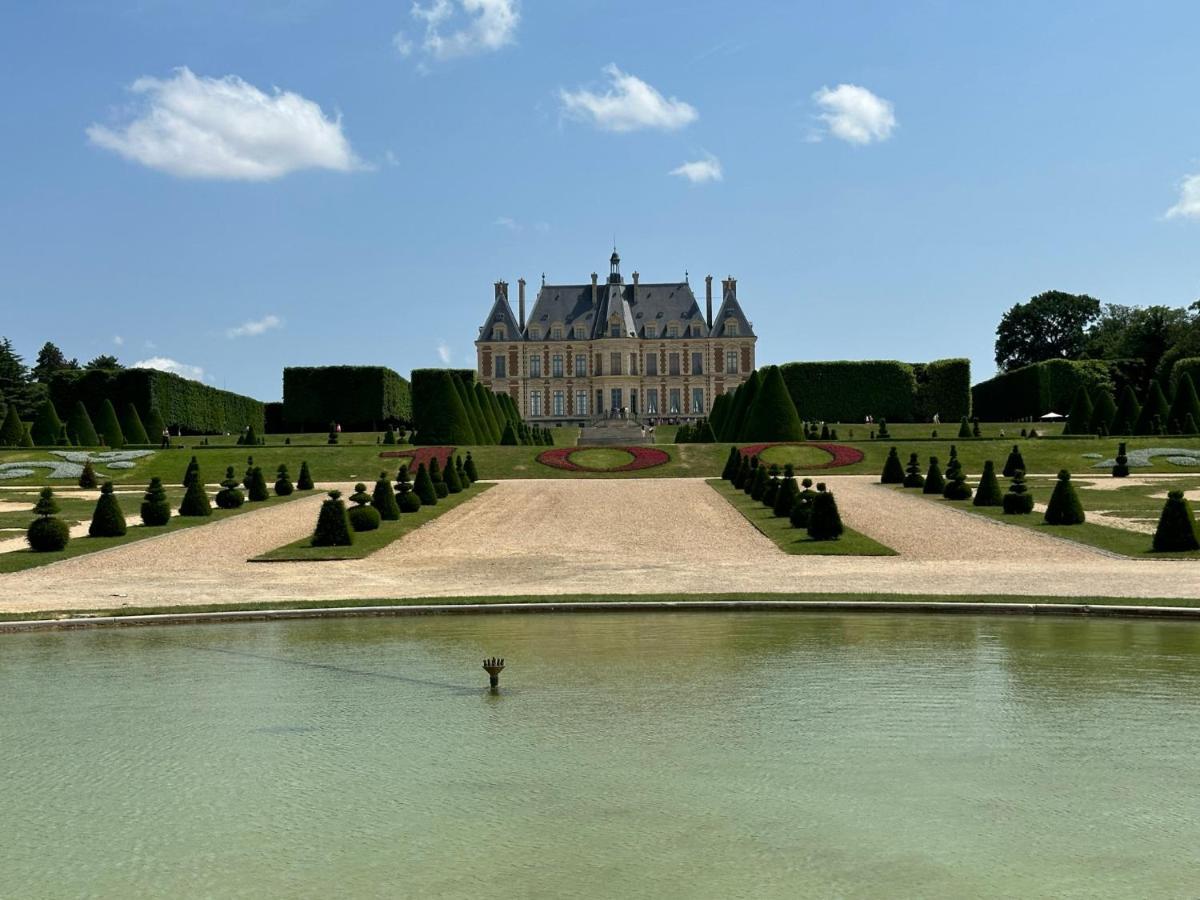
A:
(507, 222)
(456, 28)
(1188, 206)
(628, 105)
(165, 364)
(700, 170)
(254, 327)
(118, 340)
(225, 128)
(443, 350)
(855, 115)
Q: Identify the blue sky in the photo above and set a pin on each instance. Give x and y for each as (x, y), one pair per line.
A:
(235, 187)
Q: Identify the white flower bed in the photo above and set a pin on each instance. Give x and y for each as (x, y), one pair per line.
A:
(1140, 459)
(70, 465)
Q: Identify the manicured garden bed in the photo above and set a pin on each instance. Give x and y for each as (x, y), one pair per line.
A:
(604, 459)
(805, 456)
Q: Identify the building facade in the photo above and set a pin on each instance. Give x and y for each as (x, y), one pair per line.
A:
(593, 350)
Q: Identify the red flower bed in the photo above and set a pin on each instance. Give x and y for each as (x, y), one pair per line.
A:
(419, 455)
(643, 458)
(840, 454)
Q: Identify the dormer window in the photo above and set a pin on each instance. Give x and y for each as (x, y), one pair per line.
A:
(498, 333)
(579, 332)
(651, 330)
(556, 332)
(535, 333)
(673, 329)
(731, 328)
(695, 329)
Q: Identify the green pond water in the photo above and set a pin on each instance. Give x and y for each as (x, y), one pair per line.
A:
(657, 755)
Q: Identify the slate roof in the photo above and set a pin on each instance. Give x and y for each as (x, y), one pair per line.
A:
(731, 309)
(501, 312)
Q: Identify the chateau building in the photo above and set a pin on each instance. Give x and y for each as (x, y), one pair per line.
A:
(594, 350)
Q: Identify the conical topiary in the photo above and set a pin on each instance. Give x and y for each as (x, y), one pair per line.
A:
(107, 518)
(189, 474)
(1014, 462)
(80, 428)
(1121, 469)
(155, 426)
(759, 485)
(743, 473)
(362, 516)
(1104, 411)
(934, 482)
(389, 436)
(46, 429)
(893, 471)
(463, 478)
(156, 509)
(802, 505)
(1185, 403)
(132, 428)
(748, 484)
(304, 482)
(12, 432)
(1064, 507)
(435, 475)
(47, 533)
(988, 492)
(824, 522)
(1176, 530)
(1154, 411)
(108, 425)
(469, 468)
(1128, 411)
(423, 487)
(956, 479)
(772, 414)
(87, 478)
(230, 495)
(195, 499)
(384, 500)
(406, 498)
(509, 437)
(964, 428)
(1079, 420)
(785, 497)
(913, 477)
(283, 482)
(333, 528)
(256, 491)
(1018, 500)
(731, 464)
(774, 479)
(453, 485)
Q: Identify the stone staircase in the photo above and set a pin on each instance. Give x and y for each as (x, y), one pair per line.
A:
(610, 432)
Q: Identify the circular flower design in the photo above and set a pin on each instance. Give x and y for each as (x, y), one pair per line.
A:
(642, 458)
(840, 454)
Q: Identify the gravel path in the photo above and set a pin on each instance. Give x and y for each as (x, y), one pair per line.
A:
(551, 537)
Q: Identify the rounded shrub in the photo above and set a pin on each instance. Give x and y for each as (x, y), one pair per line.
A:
(195, 499)
(1121, 469)
(47, 533)
(1176, 530)
(333, 527)
(882, 434)
(283, 482)
(229, 496)
(384, 500)
(913, 477)
(87, 478)
(988, 493)
(934, 482)
(824, 522)
(362, 516)
(423, 487)
(893, 471)
(406, 499)
(107, 518)
(1014, 463)
(256, 490)
(1018, 501)
(304, 482)
(1064, 507)
(389, 436)
(156, 510)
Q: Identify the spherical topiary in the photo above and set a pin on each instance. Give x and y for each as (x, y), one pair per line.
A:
(453, 485)
(363, 517)
(824, 522)
(893, 471)
(229, 496)
(423, 487)
(1064, 507)
(384, 500)
(333, 528)
(913, 477)
(934, 482)
(195, 500)
(785, 497)
(304, 482)
(1014, 462)
(1018, 501)
(283, 482)
(1121, 469)
(257, 489)
(107, 518)
(87, 478)
(469, 468)
(190, 475)
(406, 498)
(988, 492)
(156, 510)
(1176, 530)
(47, 533)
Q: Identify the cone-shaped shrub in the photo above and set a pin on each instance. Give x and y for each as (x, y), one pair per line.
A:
(463, 478)
(47, 533)
(759, 485)
(26, 438)
(363, 517)
(824, 523)
(802, 504)
(913, 477)
(424, 487)
(1189, 425)
(333, 528)
(132, 427)
(1185, 403)
(249, 437)
(87, 478)
(1079, 420)
(731, 464)
(772, 414)
(934, 482)
(12, 432)
(1154, 411)
(1104, 411)
(1126, 416)
(108, 425)
(883, 430)
(774, 480)
(406, 498)
(384, 499)
(256, 490)
(1014, 462)
(488, 411)
(743, 474)
(976, 431)
(1176, 526)
(195, 499)
(63, 438)
(107, 518)
(964, 428)
(1018, 501)
(469, 468)
(893, 471)
(304, 482)
(80, 428)
(156, 510)
(988, 492)
(956, 481)
(190, 473)
(46, 429)
(509, 437)
(1121, 469)
(155, 425)
(785, 497)
(748, 486)
(1064, 507)
(450, 477)
(435, 475)
(332, 437)
(230, 496)
(283, 481)
(389, 436)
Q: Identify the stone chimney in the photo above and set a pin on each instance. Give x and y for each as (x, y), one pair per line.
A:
(521, 304)
(708, 297)
(729, 286)
(636, 276)
(502, 290)
(595, 282)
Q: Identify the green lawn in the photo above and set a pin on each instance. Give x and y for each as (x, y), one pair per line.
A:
(367, 542)
(795, 540)
(601, 458)
(802, 456)
(565, 436)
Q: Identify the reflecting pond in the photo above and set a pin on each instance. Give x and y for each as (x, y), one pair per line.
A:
(648, 755)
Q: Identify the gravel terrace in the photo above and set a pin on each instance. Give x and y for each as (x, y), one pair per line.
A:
(556, 537)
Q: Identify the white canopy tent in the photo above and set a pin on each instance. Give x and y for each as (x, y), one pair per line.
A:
(1051, 417)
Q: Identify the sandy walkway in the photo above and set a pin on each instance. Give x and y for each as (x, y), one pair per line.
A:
(621, 536)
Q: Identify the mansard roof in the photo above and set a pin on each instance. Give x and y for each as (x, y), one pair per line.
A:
(501, 313)
(635, 305)
(731, 309)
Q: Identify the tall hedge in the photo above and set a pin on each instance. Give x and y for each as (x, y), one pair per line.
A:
(772, 415)
(847, 391)
(1043, 387)
(186, 405)
(944, 388)
(438, 412)
(359, 398)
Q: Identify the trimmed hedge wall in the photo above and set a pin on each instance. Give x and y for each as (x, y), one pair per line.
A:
(1035, 390)
(848, 391)
(187, 405)
(943, 387)
(359, 398)
(1190, 365)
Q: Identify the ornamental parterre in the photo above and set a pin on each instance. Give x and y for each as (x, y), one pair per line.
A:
(421, 455)
(643, 458)
(840, 454)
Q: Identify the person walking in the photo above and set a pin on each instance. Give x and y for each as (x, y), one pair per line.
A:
(166, 438)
